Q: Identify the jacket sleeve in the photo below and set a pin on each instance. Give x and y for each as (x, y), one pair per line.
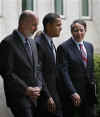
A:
(91, 64)
(45, 90)
(63, 69)
(12, 81)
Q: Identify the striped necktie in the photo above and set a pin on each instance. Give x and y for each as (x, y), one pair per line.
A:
(83, 54)
(28, 47)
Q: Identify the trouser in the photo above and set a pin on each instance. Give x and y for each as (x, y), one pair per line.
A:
(20, 111)
(49, 114)
(83, 110)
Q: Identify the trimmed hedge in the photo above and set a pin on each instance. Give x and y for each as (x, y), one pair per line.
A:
(97, 77)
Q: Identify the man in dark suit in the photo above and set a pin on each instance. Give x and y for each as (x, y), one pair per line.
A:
(49, 104)
(17, 67)
(75, 65)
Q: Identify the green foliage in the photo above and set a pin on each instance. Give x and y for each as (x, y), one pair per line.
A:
(97, 77)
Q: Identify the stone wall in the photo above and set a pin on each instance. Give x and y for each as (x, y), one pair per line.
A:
(4, 110)
(96, 15)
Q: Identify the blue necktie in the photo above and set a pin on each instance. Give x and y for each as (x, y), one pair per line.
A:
(28, 48)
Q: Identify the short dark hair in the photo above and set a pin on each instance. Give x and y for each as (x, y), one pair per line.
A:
(79, 21)
(49, 18)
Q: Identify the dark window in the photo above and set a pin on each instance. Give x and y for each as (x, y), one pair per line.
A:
(27, 4)
(59, 7)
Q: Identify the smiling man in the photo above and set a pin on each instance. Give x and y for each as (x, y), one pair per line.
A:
(75, 63)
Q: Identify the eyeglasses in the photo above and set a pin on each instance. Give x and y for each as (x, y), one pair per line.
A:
(77, 30)
(35, 25)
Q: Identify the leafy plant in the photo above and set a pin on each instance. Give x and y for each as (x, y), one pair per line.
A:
(97, 77)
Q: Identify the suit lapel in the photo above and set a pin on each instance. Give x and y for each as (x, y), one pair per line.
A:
(77, 52)
(87, 50)
(22, 49)
(47, 47)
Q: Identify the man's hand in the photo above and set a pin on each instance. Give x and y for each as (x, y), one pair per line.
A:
(51, 105)
(33, 92)
(76, 99)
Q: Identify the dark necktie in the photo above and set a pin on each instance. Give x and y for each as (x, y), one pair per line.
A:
(53, 49)
(28, 48)
(83, 54)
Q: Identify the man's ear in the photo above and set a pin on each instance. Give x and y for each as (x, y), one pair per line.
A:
(48, 26)
(33, 27)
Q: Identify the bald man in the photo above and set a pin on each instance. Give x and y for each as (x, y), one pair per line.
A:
(17, 67)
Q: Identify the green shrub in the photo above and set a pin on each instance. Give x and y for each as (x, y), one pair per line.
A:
(97, 77)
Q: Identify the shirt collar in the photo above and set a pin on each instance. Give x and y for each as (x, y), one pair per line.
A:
(21, 36)
(77, 43)
(48, 38)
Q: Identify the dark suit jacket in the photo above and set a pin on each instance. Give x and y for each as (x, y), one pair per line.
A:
(49, 72)
(17, 70)
(74, 76)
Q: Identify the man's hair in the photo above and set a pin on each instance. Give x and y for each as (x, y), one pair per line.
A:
(25, 15)
(79, 21)
(49, 18)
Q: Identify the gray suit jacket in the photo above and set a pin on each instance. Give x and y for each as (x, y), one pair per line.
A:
(17, 70)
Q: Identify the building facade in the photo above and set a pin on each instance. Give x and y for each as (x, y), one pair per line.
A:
(68, 9)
